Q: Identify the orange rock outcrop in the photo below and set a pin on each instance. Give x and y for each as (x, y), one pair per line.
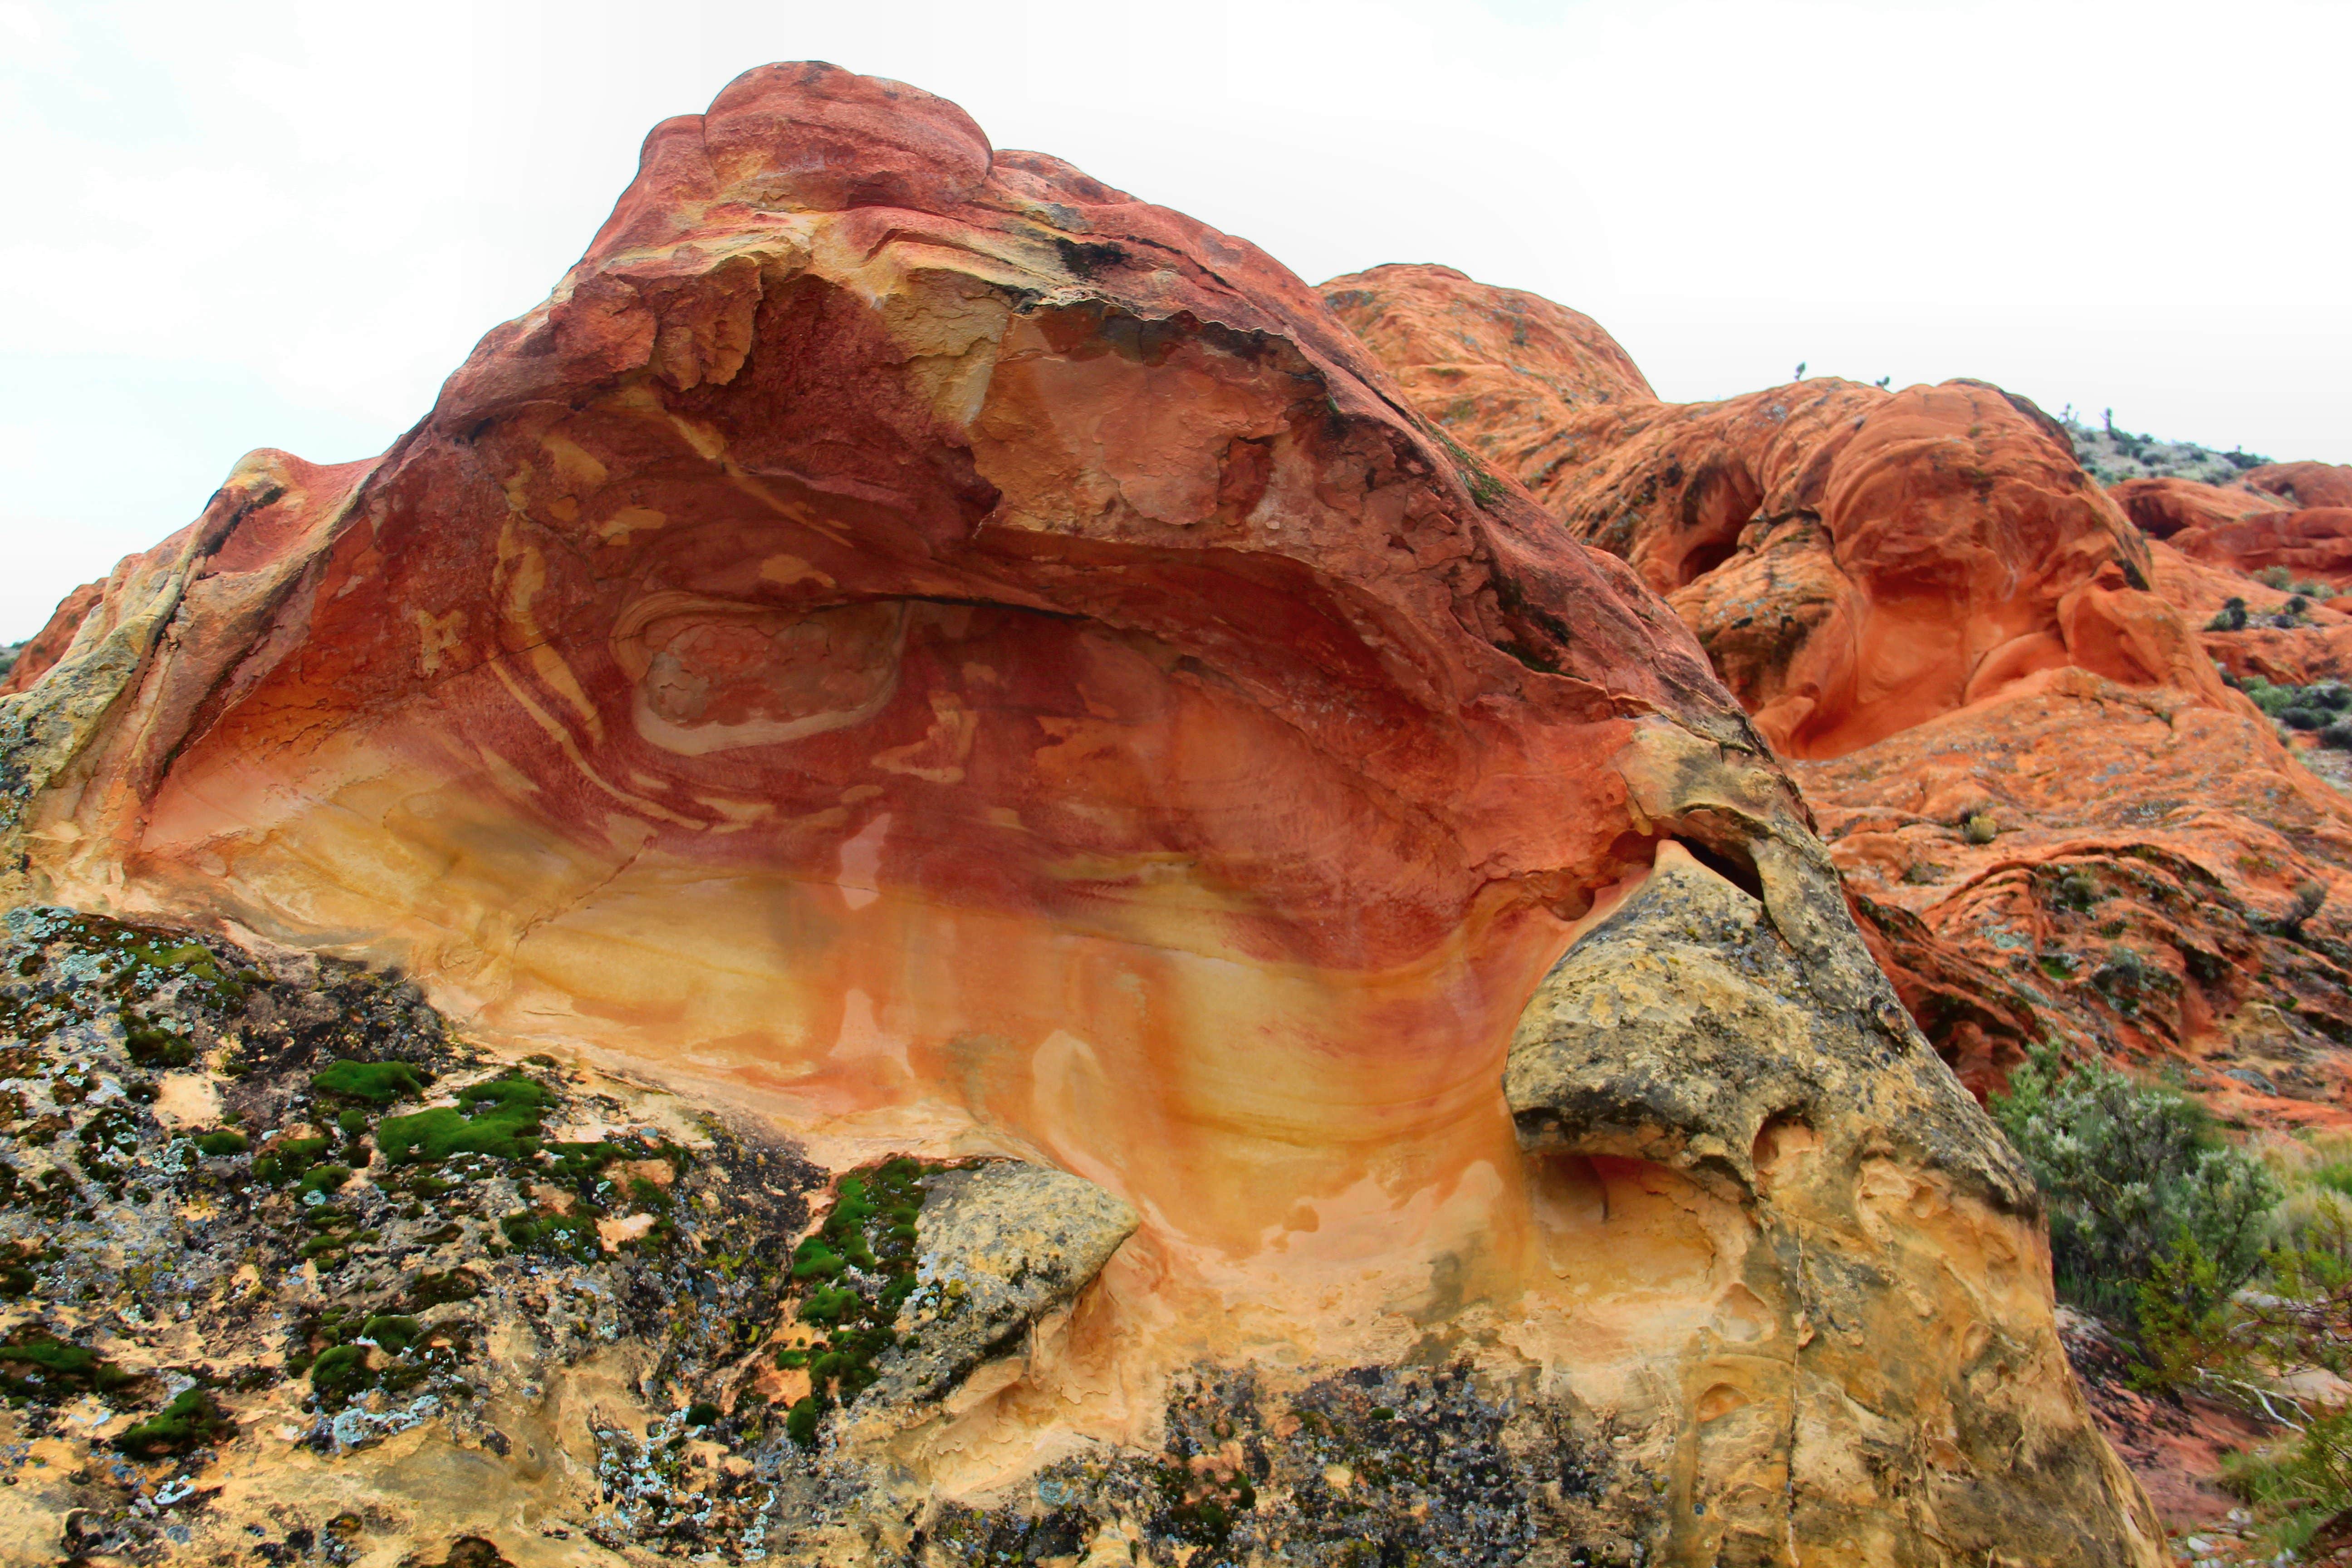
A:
(2246, 529)
(916, 641)
(1854, 560)
(2055, 820)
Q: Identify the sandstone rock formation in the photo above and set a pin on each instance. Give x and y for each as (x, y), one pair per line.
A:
(2245, 529)
(952, 664)
(1854, 560)
(2054, 819)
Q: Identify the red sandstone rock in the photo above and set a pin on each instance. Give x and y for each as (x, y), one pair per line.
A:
(916, 641)
(48, 646)
(2305, 484)
(1854, 560)
(1920, 595)
(2244, 530)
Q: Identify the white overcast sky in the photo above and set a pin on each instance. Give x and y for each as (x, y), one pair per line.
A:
(242, 224)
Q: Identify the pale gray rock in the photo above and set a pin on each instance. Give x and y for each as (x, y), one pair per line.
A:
(1001, 1244)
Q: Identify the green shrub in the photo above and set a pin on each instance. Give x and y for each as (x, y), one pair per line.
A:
(2185, 1319)
(2277, 577)
(1980, 827)
(2131, 1174)
(222, 1142)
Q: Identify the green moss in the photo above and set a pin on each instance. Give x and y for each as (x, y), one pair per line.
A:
(340, 1372)
(433, 1289)
(830, 1304)
(369, 1083)
(701, 1414)
(17, 1276)
(538, 1230)
(288, 1160)
(861, 1265)
(39, 1366)
(500, 1118)
(324, 1178)
(223, 1142)
(152, 1045)
(189, 1420)
(507, 1093)
(395, 1333)
(813, 1259)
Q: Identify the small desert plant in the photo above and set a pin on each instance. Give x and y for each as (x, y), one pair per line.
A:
(2277, 577)
(1978, 828)
(2231, 617)
(2133, 1174)
(2308, 897)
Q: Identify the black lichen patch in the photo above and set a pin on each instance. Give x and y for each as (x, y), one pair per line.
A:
(1363, 1469)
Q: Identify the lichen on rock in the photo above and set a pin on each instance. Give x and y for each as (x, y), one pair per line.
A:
(998, 1245)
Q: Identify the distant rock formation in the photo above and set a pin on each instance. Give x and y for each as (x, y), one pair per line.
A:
(2000, 695)
(1854, 560)
(915, 646)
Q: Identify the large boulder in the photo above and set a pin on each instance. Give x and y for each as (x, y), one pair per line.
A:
(922, 649)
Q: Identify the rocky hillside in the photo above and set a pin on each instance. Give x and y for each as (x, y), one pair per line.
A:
(2111, 456)
(943, 873)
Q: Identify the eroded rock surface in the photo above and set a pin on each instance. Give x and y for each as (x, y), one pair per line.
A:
(1685, 1034)
(1854, 560)
(989, 679)
(2055, 820)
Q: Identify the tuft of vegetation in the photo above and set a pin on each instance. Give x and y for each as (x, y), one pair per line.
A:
(1978, 828)
(369, 1083)
(2324, 707)
(288, 1160)
(37, 1365)
(2309, 898)
(2221, 1269)
(500, 1118)
(2111, 455)
(223, 1142)
(192, 1419)
(860, 1269)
